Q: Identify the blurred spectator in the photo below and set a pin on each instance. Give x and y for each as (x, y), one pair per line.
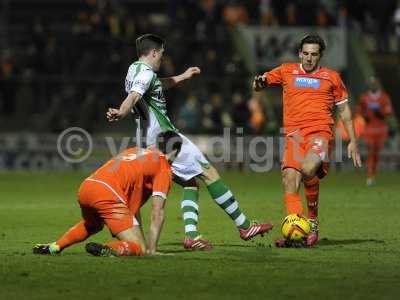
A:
(267, 13)
(189, 118)
(235, 13)
(291, 14)
(396, 19)
(257, 115)
(240, 112)
(8, 83)
(323, 19)
(215, 117)
(90, 44)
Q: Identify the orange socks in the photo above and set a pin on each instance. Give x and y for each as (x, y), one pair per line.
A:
(293, 204)
(76, 234)
(372, 161)
(311, 191)
(125, 248)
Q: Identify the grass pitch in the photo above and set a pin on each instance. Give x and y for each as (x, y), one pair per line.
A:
(357, 258)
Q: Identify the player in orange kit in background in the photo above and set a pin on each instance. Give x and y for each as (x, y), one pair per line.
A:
(376, 108)
(114, 194)
(310, 93)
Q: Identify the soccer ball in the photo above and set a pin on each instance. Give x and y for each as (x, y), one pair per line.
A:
(295, 228)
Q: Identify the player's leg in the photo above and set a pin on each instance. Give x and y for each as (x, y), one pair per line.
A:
(373, 149)
(291, 179)
(312, 163)
(291, 172)
(190, 214)
(125, 227)
(313, 168)
(130, 243)
(190, 206)
(225, 199)
(90, 225)
(185, 168)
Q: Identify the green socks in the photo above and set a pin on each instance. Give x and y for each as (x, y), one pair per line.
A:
(190, 210)
(225, 199)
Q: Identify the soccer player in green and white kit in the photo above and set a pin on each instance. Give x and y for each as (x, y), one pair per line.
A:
(142, 83)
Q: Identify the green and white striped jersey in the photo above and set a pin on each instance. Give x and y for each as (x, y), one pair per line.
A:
(142, 79)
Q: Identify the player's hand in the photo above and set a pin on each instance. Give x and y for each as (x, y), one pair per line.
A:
(113, 114)
(353, 153)
(259, 82)
(190, 72)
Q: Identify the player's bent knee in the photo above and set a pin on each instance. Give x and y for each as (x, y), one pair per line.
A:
(94, 228)
(309, 169)
(289, 180)
(133, 234)
(191, 183)
(210, 174)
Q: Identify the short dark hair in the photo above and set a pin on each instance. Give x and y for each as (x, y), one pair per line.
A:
(313, 39)
(169, 141)
(147, 42)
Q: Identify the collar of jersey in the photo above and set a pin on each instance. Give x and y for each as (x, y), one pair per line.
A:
(142, 62)
(313, 73)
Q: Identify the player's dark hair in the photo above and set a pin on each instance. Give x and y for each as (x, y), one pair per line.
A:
(147, 42)
(313, 39)
(169, 141)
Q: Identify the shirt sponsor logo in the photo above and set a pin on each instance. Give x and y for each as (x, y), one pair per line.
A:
(306, 82)
(374, 105)
(140, 83)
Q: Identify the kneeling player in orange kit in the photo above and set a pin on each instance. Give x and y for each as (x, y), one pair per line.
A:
(114, 194)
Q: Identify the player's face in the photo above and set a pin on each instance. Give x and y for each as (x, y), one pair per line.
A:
(157, 56)
(310, 57)
(373, 84)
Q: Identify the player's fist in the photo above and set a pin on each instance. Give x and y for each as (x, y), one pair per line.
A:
(113, 114)
(190, 72)
(259, 82)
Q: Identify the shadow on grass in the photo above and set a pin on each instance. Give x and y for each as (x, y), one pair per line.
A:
(326, 242)
(227, 245)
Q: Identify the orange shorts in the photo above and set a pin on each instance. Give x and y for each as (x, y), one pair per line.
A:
(375, 135)
(298, 143)
(101, 203)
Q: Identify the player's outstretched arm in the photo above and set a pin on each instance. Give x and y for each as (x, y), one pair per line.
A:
(352, 148)
(259, 83)
(169, 82)
(156, 223)
(115, 114)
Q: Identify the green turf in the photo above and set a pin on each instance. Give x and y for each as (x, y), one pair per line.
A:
(358, 257)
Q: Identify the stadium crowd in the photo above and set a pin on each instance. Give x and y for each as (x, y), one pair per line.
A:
(65, 63)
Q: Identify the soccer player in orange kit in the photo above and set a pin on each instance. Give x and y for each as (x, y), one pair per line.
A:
(113, 195)
(310, 92)
(376, 108)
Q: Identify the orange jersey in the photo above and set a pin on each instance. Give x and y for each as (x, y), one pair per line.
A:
(308, 98)
(133, 174)
(374, 107)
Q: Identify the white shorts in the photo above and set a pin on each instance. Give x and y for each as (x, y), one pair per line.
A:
(189, 162)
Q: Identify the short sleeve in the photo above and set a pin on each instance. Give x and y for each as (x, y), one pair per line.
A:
(141, 82)
(340, 93)
(162, 182)
(274, 77)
